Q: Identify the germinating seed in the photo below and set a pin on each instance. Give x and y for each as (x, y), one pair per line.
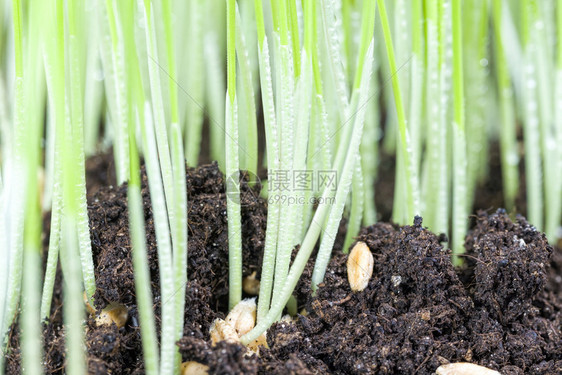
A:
(194, 368)
(113, 313)
(251, 285)
(243, 316)
(240, 320)
(464, 368)
(222, 331)
(360, 266)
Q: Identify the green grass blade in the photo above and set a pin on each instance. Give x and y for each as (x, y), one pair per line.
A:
(249, 129)
(140, 263)
(460, 208)
(17, 193)
(412, 196)
(77, 117)
(508, 140)
(161, 224)
(233, 166)
(195, 83)
(531, 123)
(113, 62)
(357, 205)
(180, 244)
(270, 249)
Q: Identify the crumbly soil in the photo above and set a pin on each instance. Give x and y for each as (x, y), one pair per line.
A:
(502, 310)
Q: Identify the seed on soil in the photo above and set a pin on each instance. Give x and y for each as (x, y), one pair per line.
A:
(222, 331)
(464, 368)
(360, 266)
(243, 316)
(194, 368)
(113, 313)
(251, 285)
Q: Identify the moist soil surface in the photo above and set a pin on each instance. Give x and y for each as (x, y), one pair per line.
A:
(502, 309)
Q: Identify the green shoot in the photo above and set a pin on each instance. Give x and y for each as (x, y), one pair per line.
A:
(29, 127)
(180, 244)
(412, 194)
(195, 84)
(460, 209)
(232, 165)
(112, 57)
(508, 141)
(531, 128)
(167, 285)
(93, 90)
(161, 184)
(75, 96)
(558, 117)
(140, 262)
(248, 152)
(268, 264)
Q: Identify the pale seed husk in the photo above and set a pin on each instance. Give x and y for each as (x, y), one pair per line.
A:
(243, 316)
(360, 265)
(255, 345)
(464, 368)
(194, 368)
(222, 331)
(113, 313)
(251, 285)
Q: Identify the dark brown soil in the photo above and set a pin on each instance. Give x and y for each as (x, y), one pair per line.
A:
(119, 350)
(416, 313)
(100, 172)
(504, 310)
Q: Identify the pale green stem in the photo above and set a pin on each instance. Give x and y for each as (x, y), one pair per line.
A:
(161, 223)
(531, 129)
(412, 196)
(180, 244)
(158, 110)
(195, 83)
(233, 166)
(460, 210)
(249, 129)
(77, 118)
(140, 262)
(17, 194)
(357, 205)
(508, 140)
(270, 249)
(112, 56)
